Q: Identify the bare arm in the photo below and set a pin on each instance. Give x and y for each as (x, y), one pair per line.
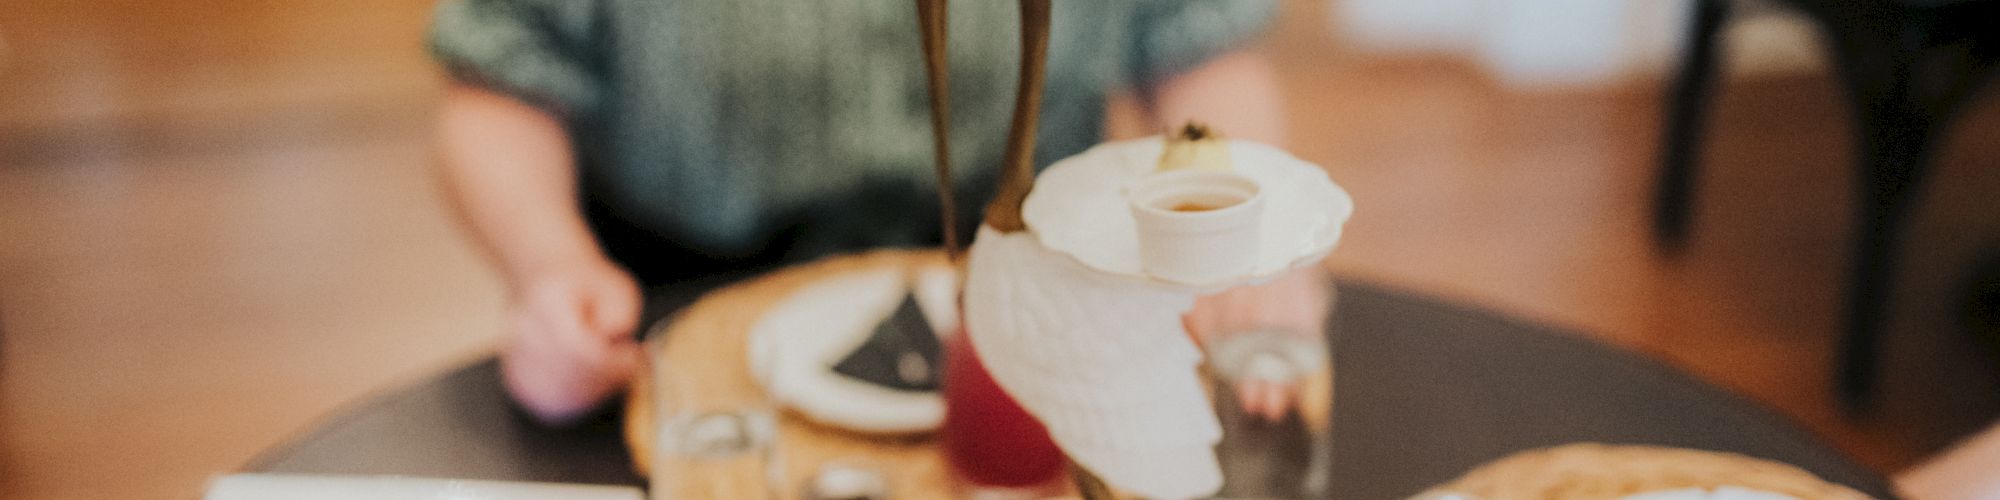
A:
(1238, 95)
(509, 172)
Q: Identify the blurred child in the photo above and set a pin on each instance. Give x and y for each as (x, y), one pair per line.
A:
(598, 148)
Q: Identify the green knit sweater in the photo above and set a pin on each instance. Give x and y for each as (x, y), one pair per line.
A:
(708, 120)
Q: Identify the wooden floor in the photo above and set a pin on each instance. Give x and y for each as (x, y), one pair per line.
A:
(218, 223)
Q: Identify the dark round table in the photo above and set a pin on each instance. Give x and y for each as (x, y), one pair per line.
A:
(1423, 392)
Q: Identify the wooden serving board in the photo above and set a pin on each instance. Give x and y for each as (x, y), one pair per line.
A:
(710, 338)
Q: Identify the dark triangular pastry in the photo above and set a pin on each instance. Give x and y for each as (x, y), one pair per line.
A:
(902, 354)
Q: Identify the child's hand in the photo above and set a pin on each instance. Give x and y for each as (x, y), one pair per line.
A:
(570, 342)
(1296, 302)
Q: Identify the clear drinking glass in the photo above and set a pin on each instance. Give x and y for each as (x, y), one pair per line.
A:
(711, 440)
(1274, 398)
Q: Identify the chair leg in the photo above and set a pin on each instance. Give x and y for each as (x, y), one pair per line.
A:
(1979, 309)
(1871, 276)
(1896, 130)
(1681, 146)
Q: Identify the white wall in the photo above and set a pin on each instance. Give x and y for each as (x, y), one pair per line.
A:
(1570, 43)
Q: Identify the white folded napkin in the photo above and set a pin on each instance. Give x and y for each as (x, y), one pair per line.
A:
(1101, 360)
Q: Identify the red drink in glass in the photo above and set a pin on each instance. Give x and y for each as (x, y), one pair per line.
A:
(988, 439)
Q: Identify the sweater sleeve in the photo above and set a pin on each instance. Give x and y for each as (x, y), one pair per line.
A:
(1171, 37)
(538, 50)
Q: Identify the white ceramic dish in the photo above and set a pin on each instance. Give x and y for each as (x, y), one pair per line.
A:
(795, 345)
(1721, 493)
(1079, 208)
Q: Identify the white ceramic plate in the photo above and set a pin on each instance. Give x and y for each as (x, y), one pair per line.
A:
(795, 345)
(1722, 493)
(1079, 208)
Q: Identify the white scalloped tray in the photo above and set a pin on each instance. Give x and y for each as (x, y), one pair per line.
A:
(1079, 208)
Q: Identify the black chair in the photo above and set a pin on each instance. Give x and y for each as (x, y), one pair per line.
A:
(1907, 66)
(1979, 314)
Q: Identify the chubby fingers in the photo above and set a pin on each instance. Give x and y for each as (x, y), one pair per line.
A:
(1267, 399)
(562, 360)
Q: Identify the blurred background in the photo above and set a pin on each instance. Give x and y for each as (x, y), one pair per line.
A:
(218, 219)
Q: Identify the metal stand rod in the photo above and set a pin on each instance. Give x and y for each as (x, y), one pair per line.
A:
(1088, 485)
(1017, 176)
(931, 17)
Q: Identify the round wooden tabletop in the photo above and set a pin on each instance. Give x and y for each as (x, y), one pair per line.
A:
(1424, 391)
